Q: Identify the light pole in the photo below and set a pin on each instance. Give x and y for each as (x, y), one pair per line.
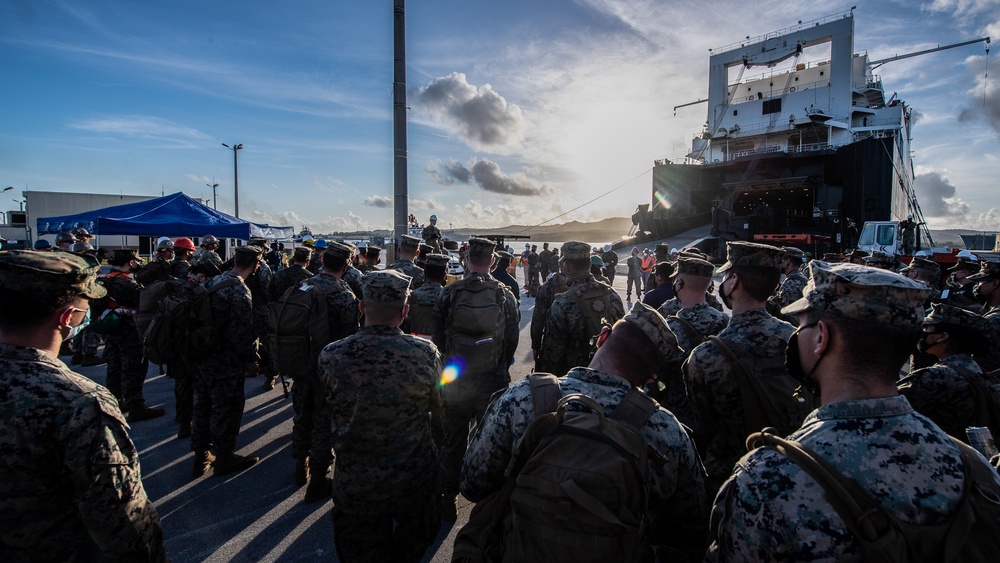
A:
(20, 203)
(236, 177)
(215, 197)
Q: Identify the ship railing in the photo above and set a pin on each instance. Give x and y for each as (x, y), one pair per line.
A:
(790, 29)
(741, 97)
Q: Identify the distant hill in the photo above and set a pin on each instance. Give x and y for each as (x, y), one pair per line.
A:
(606, 230)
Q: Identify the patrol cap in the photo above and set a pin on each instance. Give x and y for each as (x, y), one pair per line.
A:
(372, 250)
(693, 267)
(965, 264)
(51, 272)
(751, 254)
(408, 241)
(693, 251)
(654, 326)
(439, 260)
(504, 255)
(339, 249)
(385, 286)
(792, 252)
(123, 256)
(574, 250)
(949, 314)
(880, 258)
(922, 264)
(858, 292)
(662, 250)
(247, 251)
(258, 242)
(831, 257)
(426, 250)
(480, 245)
(988, 271)
(301, 254)
(857, 253)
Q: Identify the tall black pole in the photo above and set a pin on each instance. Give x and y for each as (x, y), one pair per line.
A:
(236, 177)
(400, 208)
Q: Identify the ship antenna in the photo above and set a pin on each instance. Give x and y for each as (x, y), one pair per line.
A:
(986, 75)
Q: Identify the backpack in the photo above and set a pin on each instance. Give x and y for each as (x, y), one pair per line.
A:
(970, 534)
(671, 372)
(577, 488)
(593, 319)
(421, 315)
(475, 325)
(987, 398)
(150, 298)
(299, 329)
(182, 327)
(771, 397)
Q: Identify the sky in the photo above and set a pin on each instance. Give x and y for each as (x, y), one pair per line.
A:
(519, 112)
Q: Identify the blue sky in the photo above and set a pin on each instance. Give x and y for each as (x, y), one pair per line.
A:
(519, 110)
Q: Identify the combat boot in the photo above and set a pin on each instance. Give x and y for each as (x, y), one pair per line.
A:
(319, 488)
(144, 413)
(233, 463)
(301, 471)
(203, 461)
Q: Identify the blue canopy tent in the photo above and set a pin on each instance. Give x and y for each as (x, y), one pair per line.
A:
(171, 215)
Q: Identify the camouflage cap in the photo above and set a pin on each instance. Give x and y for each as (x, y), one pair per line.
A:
(123, 256)
(949, 314)
(751, 254)
(408, 241)
(339, 249)
(247, 251)
(504, 255)
(880, 258)
(426, 249)
(919, 263)
(385, 286)
(693, 251)
(302, 254)
(831, 257)
(29, 271)
(859, 292)
(575, 250)
(372, 250)
(693, 267)
(965, 264)
(988, 271)
(439, 260)
(480, 245)
(654, 326)
(792, 252)
(857, 253)
(662, 251)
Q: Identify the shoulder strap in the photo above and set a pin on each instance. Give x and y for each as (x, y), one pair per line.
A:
(545, 393)
(984, 415)
(751, 391)
(223, 284)
(695, 337)
(635, 409)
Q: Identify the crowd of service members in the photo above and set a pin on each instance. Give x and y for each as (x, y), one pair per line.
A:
(407, 418)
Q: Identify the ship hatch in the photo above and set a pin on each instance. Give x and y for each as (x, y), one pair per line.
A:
(785, 198)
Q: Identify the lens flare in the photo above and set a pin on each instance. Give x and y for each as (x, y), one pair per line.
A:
(452, 371)
(662, 200)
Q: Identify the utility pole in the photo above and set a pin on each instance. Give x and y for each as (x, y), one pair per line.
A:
(236, 177)
(215, 196)
(400, 191)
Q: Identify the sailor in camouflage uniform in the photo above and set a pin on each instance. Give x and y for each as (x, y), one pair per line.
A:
(628, 352)
(70, 485)
(311, 426)
(566, 339)
(409, 248)
(380, 386)
(987, 291)
(791, 287)
(420, 321)
(293, 275)
(126, 365)
(944, 392)
(219, 398)
(750, 276)
(856, 327)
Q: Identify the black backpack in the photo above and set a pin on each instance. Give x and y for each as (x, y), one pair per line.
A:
(182, 328)
(476, 326)
(577, 487)
(971, 534)
(299, 329)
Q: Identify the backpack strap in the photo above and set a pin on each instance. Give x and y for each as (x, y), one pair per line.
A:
(635, 409)
(751, 391)
(984, 415)
(695, 337)
(545, 393)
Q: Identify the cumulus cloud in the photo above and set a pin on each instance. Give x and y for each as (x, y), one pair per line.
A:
(427, 203)
(477, 213)
(937, 195)
(347, 223)
(479, 116)
(380, 201)
(487, 175)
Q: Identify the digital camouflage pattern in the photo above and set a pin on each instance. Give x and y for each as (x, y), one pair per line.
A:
(341, 306)
(547, 293)
(703, 317)
(26, 270)
(206, 255)
(565, 340)
(943, 394)
(678, 503)
(123, 349)
(772, 510)
(859, 292)
(788, 292)
(422, 302)
(385, 286)
(380, 386)
(353, 278)
(714, 391)
(232, 312)
(407, 267)
(655, 327)
(987, 271)
(286, 278)
(70, 484)
(693, 267)
(740, 253)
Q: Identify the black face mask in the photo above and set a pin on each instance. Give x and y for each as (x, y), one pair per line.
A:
(726, 299)
(922, 344)
(794, 366)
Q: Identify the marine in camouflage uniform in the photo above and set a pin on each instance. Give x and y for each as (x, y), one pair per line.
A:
(555, 285)
(408, 249)
(219, 398)
(207, 253)
(432, 235)
(353, 278)
(544, 257)
(678, 505)
(534, 272)
(311, 425)
(710, 378)
(466, 398)
(567, 338)
(987, 291)
(791, 287)
(501, 273)
(293, 275)
(771, 509)
(126, 365)
(944, 392)
(70, 484)
(380, 386)
(420, 321)
(259, 285)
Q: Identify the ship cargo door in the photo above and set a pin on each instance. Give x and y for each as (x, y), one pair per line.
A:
(778, 206)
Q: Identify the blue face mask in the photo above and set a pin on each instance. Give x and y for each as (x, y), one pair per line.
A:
(73, 331)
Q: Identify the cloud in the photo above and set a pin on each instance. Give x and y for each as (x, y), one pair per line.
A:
(140, 126)
(487, 175)
(350, 222)
(479, 116)
(984, 97)
(476, 213)
(381, 201)
(937, 195)
(428, 203)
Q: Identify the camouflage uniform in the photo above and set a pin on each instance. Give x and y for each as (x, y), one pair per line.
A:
(432, 236)
(772, 510)
(156, 270)
(545, 256)
(422, 302)
(943, 394)
(787, 293)
(259, 285)
(311, 423)
(288, 277)
(678, 503)
(547, 293)
(465, 399)
(534, 273)
(407, 267)
(180, 268)
(634, 277)
(673, 394)
(565, 342)
(219, 399)
(353, 278)
(126, 365)
(380, 386)
(990, 361)
(206, 255)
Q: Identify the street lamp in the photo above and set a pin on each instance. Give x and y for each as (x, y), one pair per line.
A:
(20, 203)
(236, 176)
(215, 197)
